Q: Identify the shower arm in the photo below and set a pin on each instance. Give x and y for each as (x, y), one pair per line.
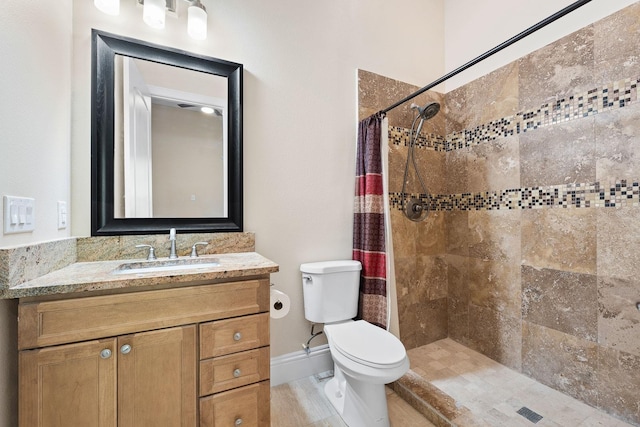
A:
(490, 52)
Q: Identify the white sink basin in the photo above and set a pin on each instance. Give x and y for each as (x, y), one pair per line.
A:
(169, 265)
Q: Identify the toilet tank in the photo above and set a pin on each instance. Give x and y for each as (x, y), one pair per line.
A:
(330, 290)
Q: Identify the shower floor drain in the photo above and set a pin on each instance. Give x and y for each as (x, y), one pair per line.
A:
(529, 414)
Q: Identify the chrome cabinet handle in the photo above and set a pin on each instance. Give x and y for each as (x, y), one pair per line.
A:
(105, 354)
(237, 373)
(237, 336)
(125, 349)
(238, 421)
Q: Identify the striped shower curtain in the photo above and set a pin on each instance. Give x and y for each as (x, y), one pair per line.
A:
(369, 223)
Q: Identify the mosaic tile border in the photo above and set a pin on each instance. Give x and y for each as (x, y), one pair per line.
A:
(622, 193)
(613, 96)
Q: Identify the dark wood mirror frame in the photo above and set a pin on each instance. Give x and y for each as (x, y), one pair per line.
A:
(104, 48)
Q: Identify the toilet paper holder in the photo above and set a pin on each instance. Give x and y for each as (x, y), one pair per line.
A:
(278, 305)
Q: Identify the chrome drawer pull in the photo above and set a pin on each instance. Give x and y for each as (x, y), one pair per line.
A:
(125, 349)
(105, 354)
(237, 336)
(236, 373)
(238, 421)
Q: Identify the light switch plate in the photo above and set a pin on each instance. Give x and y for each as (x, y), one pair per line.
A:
(19, 214)
(62, 215)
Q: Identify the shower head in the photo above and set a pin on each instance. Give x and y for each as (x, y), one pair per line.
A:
(425, 113)
(428, 111)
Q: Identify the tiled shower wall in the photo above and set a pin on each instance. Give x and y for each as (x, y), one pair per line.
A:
(531, 254)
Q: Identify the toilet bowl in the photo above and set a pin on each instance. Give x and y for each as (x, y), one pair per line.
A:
(365, 358)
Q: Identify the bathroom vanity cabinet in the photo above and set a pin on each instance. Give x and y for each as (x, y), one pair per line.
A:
(180, 356)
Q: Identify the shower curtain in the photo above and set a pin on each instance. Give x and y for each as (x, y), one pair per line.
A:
(369, 245)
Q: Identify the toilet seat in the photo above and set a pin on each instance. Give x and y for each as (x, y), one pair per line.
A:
(364, 343)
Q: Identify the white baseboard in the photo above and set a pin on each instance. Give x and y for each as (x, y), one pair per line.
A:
(296, 365)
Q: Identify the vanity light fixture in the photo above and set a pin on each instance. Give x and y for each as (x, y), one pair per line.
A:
(197, 21)
(154, 14)
(110, 7)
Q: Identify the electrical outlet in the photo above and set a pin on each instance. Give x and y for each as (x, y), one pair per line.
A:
(19, 214)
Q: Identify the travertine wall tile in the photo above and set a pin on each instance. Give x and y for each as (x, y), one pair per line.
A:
(404, 232)
(618, 383)
(494, 165)
(561, 300)
(484, 99)
(559, 154)
(617, 137)
(431, 237)
(431, 165)
(560, 239)
(619, 243)
(458, 316)
(495, 235)
(457, 232)
(496, 336)
(406, 281)
(458, 278)
(618, 317)
(456, 166)
(561, 361)
(557, 70)
(495, 285)
(616, 45)
(423, 323)
(376, 92)
(431, 272)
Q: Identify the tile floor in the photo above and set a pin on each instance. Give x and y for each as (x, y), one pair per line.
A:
(493, 393)
(302, 403)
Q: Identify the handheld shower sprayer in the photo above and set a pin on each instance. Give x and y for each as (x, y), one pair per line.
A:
(415, 209)
(425, 113)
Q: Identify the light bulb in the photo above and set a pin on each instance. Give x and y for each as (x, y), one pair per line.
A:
(110, 7)
(197, 21)
(207, 110)
(153, 13)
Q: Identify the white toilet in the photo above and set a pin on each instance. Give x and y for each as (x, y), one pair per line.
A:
(365, 356)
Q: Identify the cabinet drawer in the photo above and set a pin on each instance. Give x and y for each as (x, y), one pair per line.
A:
(235, 370)
(233, 335)
(58, 322)
(247, 406)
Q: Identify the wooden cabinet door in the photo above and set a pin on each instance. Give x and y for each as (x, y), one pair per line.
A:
(157, 378)
(69, 385)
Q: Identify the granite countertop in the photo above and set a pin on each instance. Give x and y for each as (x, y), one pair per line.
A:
(98, 275)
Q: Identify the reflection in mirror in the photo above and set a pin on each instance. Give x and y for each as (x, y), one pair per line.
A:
(166, 139)
(166, 117)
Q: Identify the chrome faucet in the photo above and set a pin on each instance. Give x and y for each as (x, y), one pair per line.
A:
(172, 239)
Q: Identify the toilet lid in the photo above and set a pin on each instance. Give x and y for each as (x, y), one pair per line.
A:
(365, 343)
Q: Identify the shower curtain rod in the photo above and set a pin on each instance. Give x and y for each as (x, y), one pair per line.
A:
(488, 53)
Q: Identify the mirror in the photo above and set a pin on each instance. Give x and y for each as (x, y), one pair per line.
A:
(166, 139)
